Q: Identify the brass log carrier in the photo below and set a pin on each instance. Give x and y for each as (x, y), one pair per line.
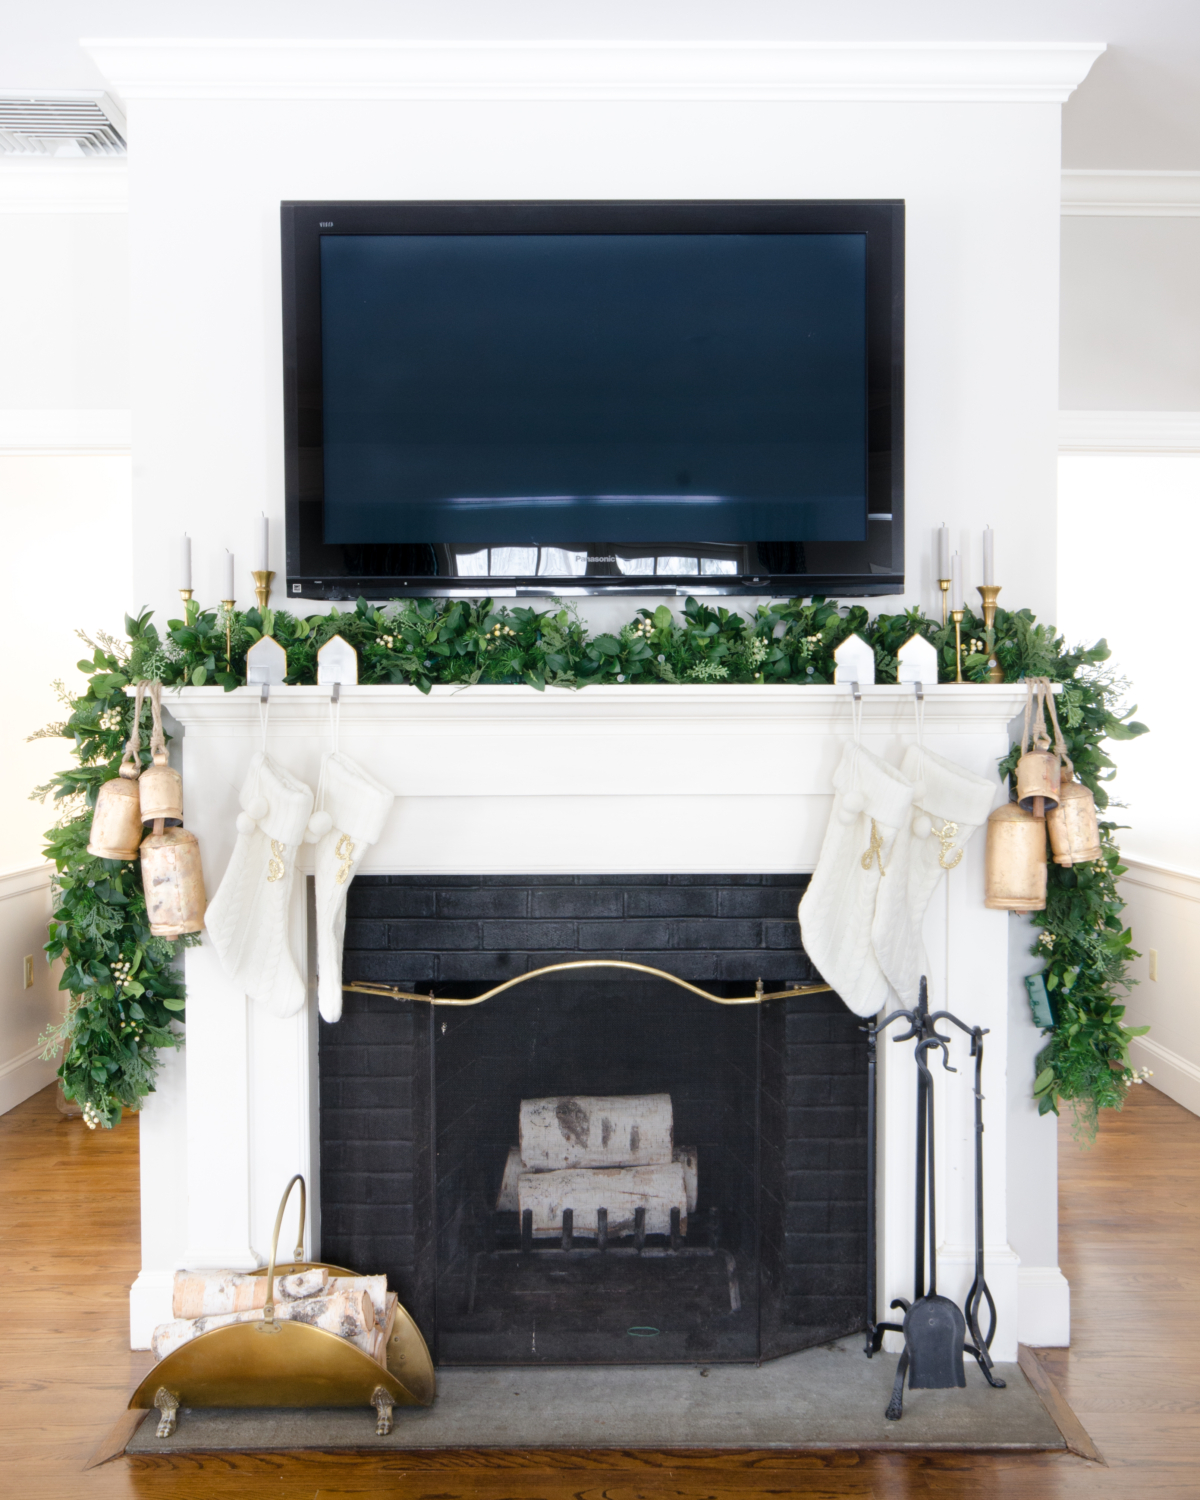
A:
(389, 991)
(272, 1363)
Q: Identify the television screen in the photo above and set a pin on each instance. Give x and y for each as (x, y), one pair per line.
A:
(610, 396)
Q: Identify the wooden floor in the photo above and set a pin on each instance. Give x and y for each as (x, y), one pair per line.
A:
(1130, 1246)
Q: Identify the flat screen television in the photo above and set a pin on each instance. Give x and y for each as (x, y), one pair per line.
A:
(586, 397)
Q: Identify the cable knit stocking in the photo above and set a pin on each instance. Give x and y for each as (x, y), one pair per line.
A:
(871, 802)
(356, 806)
(949, 804)
(248, 917)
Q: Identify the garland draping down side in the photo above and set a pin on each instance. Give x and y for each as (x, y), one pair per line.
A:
(126, 999)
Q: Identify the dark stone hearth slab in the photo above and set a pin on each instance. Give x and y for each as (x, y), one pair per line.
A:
(823, 1398)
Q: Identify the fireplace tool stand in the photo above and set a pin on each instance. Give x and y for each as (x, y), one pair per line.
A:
(934, 1329)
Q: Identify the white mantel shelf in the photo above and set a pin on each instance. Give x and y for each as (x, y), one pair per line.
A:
(620, 779)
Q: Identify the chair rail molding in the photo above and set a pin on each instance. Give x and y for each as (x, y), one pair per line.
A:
(41, 185)
(73, 432)
(1129, 432)
(1153, 195)
(937, 72)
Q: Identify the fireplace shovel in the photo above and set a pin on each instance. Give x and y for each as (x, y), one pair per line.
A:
(934, 1328)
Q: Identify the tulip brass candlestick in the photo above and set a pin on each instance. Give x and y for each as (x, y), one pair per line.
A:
(957, 616)
(227, 606)
(944, 585)
(189, 609)
(988, 592)
(186, 595)
(263, 580)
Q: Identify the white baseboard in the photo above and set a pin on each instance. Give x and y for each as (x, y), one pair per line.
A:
(23, 1076)
(1043, 1307)
(1174, 1075)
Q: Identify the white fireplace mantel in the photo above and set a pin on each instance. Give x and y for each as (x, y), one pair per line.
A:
(620, 779)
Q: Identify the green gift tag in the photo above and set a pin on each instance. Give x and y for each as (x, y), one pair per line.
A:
(1039, 1002)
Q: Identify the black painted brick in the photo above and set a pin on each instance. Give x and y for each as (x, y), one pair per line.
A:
(389, 901)
(717, 933)
(757, 901)
(573, 901)
(512, 937)
(432, 936)
(453, 968)
(406, 971)
(782, 934)
(671, 901)
(483, 901)
(619, 937)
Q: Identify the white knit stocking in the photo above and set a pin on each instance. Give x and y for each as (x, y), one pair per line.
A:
(355, 809)
(949, 804)
(248, 917)
(871, 802)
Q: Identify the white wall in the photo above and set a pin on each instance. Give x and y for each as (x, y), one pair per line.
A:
(1131, 312)
(980, 180)
(1129, 534)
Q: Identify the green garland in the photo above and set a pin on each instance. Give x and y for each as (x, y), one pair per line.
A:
(127, 999)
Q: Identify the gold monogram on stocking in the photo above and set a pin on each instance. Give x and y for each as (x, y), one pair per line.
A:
(948, 855)
(875, 852)
(344, 852)
(275, 863)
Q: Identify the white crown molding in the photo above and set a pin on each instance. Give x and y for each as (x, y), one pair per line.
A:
(1167, 880)
(26, 882)
(46, 185)
(64, 432)
(1129, 432)
(1094, 194)
(938, 72)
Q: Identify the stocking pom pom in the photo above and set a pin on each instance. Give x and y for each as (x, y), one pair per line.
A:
(245, 823)
(922, 826)
(854, 802)
(258, 807)
(319, 824)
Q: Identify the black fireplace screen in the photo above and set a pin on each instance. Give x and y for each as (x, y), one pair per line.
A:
(597, 1167)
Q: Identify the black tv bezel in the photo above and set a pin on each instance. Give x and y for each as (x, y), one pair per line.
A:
(311, 562)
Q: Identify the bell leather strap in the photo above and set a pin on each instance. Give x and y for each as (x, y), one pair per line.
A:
(131, 761)
(158, 740)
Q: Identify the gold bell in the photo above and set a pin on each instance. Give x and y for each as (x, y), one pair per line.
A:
(1038, 779)
(173, 881)
(1073, 826)
(161, 791)
(1015, 877)
(117, 821)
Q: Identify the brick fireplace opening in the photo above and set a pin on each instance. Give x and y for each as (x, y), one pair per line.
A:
(420, 1110)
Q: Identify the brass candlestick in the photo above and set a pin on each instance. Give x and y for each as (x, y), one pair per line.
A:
(186, 595)
(944, 585)
(189, 609)
(988, 592)
(227, 606)
(263, 579)
(957, 616)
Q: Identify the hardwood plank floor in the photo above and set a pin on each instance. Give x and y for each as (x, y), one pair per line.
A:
(1130, 1211)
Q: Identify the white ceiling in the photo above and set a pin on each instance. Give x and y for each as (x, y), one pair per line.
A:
(1138, 109)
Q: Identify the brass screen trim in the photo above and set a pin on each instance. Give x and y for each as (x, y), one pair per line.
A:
(392, 993)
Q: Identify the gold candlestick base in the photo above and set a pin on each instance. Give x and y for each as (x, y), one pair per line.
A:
(988, 592)
(227, 606)
(186, 595)
(944, 585)
(957, 616)
(263, 579)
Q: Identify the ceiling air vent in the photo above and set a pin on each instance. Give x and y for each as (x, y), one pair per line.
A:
(83, 124)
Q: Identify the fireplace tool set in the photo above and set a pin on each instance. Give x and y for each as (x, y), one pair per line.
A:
(935, 1330)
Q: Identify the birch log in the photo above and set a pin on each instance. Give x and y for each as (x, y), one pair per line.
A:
(506, 1198)
(632, 1130)
(344, 1313)
(621, 1190)
(374, 1286)
(688, 1159)
(201, 1294)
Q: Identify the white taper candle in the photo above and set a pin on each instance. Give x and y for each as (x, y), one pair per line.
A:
(264, 546)
(227, 588)
(989, 556)
(956, 582)
(943, 551)
(185, 562)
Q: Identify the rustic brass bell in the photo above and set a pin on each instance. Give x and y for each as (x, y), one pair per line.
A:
(117, 821)
(1073, 826)
(173, 881)
(1015, 878)
(161, 789)
(1038, 780)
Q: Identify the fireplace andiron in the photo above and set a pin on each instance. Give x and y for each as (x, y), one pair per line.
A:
(935, 1330)
(272, 1362)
